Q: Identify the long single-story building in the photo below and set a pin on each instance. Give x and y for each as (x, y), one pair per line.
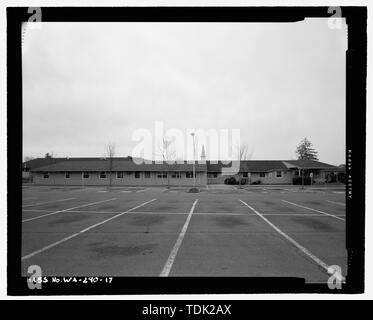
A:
(125, 172)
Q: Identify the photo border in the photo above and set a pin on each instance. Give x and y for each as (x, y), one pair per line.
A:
(356, 64)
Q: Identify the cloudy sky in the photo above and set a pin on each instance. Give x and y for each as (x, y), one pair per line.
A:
(87, 84)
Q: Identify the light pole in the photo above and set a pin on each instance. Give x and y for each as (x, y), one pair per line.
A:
(194, 162)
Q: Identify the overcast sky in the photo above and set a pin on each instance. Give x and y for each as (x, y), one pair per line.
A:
(85, 84)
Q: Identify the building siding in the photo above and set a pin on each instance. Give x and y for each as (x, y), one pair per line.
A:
(127, 180)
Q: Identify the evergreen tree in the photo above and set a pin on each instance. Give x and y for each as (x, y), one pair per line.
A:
(305, 151)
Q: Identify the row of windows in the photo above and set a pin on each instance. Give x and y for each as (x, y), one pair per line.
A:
(246, 174)
(278, 174)
(121, 174)
(161, 175)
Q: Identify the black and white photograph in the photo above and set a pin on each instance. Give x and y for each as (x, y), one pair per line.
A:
(189, 145)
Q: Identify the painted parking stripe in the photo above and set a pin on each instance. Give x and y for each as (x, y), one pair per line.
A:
(291, 240)
(167, 267)
(82, 231)
(327, 214)
(40, 203)
(339, 192)
(339, 203)
(59, 211)
(194, 213)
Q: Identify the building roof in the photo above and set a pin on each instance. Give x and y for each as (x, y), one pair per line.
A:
(127, 164)
(268, 165)
(40, 162)
(117, 165)
(247, 165)
(308, 164)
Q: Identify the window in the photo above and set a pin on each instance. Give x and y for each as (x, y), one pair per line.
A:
(147, 174)
(129, 173)
(176, 175)
(161, 175)
(262, 174)
(278, 174)
(46, 175)
(137, 174)
(102, 175)
(85, 175)
(189, 174)
(67, 175)
(119, 175)
(245, 175)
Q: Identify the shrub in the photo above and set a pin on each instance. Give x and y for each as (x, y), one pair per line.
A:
(257, 182)
(230, 180)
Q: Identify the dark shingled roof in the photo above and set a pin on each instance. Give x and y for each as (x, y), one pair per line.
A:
(309, 164)
(40, 162)
(117, 165)
(248, 165)
(127, 164)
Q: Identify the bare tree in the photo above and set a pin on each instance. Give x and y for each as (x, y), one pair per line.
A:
(110, 153)
(168, 153)
(242, 152)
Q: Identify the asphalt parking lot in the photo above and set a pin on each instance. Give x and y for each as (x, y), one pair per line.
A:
(221, 231)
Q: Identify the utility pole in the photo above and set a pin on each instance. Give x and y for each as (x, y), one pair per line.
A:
(194, 161)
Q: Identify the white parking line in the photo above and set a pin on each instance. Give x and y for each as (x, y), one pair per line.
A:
(338, 191)
(36, 210)
(339, 203)
(40, 203)
(167, 267)
(59, 211)
(327, 214)
(81, 232)
(291, 240)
